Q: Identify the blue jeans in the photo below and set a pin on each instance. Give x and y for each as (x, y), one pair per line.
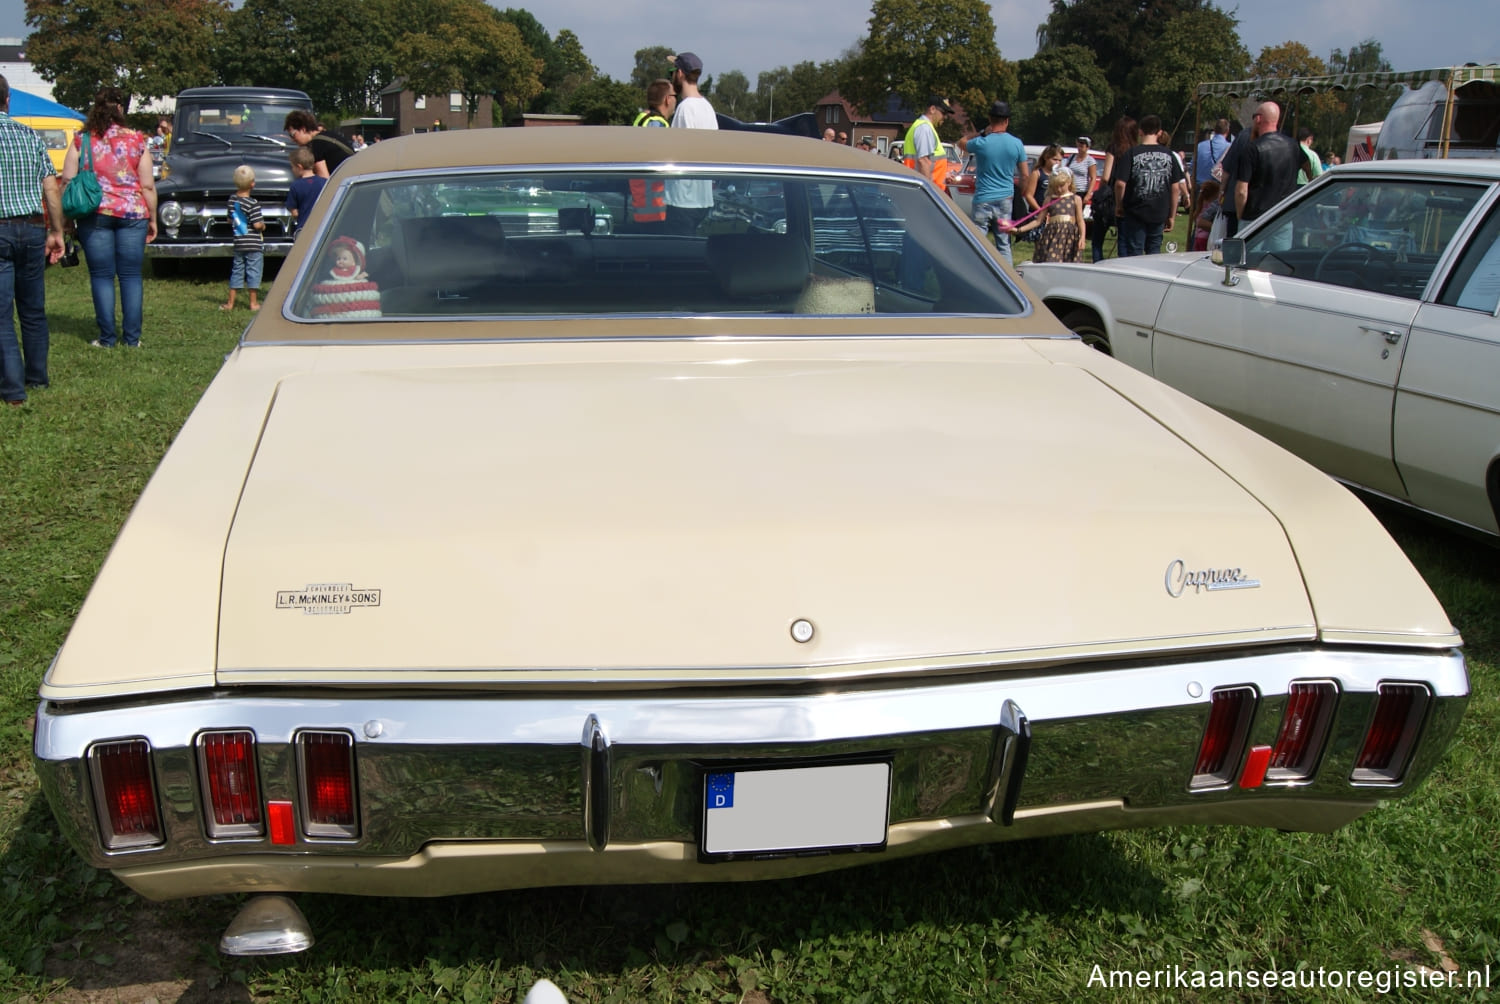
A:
(23, 263)
(988, 216)
(1138, 238)
(115, 249)
(246, 270)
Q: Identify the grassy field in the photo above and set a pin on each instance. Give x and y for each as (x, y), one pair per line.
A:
(1413, 884)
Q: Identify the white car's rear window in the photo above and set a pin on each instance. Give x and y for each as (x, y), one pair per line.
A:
(489, 244)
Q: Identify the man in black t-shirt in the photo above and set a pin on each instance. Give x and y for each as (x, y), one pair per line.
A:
(1148, 185)
(1272, 162)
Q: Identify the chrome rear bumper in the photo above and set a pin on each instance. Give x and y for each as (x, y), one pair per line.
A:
(479, 791)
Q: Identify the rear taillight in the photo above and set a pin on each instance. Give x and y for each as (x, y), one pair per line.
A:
(1392, 736)
(226, 763)
(1304, 727)
(328, 795)
(1224, 738)
(125, 794)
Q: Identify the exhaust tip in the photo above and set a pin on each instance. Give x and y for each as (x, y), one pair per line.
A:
(267, 925)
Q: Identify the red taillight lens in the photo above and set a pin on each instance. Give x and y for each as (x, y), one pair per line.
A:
(125, 794)
(328, 794)
(1224, 739)
(1304, 726)
(227, 760)
(1392, 735)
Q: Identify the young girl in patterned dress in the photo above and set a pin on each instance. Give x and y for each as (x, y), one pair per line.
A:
(1061, 220)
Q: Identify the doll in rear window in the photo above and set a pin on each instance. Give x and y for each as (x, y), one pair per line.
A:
(346, 291)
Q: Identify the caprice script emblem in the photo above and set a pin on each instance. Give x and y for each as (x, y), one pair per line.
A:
(1180, 577)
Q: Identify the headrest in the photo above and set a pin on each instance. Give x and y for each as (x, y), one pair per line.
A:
(447, 251)
(758, 264)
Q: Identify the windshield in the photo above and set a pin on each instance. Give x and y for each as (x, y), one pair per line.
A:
(226, 123)
(612, 242)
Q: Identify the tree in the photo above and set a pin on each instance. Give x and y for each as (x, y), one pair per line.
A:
(787, 91)
(473, 51)
(733, 97)
(651, 63)
(1121, 33)
(1364, 104)
(1293, 59)
(1064, 93)
(1194, 47)
(603, 101)
(338, 51)
(577, 70)
(147, 50)
(917, 48)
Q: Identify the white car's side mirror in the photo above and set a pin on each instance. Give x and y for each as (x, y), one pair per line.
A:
(1231, 254)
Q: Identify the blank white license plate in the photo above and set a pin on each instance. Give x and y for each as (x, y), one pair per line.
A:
(791, 809)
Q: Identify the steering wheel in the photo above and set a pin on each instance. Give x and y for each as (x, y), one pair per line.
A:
(1371, 252)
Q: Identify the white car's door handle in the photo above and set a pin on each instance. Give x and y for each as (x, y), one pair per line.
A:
(1391, 334)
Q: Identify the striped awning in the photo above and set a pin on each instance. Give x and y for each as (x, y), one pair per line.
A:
(1270, 86)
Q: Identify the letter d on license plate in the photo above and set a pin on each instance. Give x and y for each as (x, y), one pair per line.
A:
(792, 810)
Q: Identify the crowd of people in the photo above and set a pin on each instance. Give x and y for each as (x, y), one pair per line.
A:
(1074, 199)
(1137, 189)
(113, 214)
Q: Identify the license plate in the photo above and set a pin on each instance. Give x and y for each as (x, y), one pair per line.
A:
(795, 810)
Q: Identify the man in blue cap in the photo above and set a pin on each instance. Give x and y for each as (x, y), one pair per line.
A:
(688, 201)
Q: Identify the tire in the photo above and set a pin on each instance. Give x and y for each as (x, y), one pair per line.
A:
(1084, 323)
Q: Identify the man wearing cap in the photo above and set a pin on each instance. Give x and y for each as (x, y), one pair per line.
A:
(999, 161)
(688, 201)
(922, 151)
(31, 234)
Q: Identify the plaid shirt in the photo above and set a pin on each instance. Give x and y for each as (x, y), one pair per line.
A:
(23, 165)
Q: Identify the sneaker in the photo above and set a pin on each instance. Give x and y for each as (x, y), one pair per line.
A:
(96, 343)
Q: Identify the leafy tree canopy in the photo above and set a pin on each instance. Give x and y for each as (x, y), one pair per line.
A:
(1066, 95)
(1194, 47)
(474, 51)
(1121, 33)
(150, 50)
(651, 63)
(603, 101)
(916, 48)
(788, 91)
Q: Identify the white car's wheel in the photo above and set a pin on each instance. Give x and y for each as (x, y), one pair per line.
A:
(1086, 325)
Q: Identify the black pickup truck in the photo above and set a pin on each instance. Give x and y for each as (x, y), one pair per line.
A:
(216, 130)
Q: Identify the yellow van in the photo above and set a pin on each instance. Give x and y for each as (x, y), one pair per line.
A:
(57, 133)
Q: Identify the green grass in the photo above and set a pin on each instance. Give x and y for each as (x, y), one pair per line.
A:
(1412, 883)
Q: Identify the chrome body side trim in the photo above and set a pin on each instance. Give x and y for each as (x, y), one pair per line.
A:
(487, 768)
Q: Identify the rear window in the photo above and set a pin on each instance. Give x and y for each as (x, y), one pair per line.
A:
(488, 244)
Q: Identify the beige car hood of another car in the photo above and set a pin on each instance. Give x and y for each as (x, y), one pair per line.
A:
(665, 520)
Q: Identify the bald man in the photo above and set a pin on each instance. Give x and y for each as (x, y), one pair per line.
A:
(1270, 166)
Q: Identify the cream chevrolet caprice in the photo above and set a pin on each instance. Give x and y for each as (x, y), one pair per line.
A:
(703, 506)
(1357, 324)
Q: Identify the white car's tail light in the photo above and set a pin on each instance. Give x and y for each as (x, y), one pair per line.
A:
(1392, 735)
(226, 762)
(1224, 738)
(329, 805)
(1304, 727)
(125, 794)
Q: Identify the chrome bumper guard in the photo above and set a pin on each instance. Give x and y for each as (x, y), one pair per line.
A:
(504, 780)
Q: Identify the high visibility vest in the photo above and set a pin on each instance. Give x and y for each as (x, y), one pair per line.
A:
(939, 154)
(648, 197)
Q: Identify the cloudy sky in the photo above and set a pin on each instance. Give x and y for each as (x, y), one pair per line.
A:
(752, 37)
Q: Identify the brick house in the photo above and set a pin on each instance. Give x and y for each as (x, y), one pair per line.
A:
(410, 113)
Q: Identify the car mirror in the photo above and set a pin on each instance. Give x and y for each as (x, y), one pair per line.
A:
(1231, 254)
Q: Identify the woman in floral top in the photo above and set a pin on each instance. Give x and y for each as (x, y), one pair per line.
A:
(114, 238)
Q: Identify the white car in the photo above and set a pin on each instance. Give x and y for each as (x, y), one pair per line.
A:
(1355, 324)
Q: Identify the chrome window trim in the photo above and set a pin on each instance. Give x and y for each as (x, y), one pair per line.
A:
(338, 195)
